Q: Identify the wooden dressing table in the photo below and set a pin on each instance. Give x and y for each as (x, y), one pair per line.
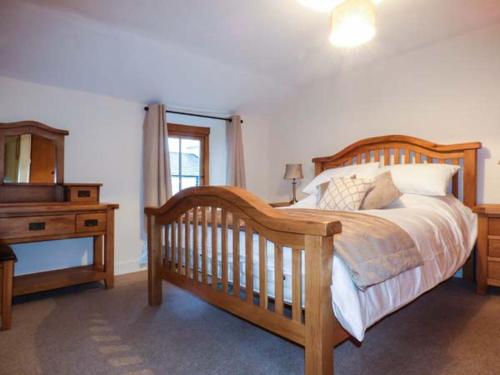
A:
(36, 205)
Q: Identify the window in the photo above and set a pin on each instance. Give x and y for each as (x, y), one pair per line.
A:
(188, 148)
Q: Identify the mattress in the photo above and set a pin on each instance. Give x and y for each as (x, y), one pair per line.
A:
(443, 229)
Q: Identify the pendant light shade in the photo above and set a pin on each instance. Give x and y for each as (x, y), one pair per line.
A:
(321, 5)
(353, 23)
(325, 6)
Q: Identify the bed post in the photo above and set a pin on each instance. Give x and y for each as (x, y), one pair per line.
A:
(319, 319)
(470, 198)
(154, 261)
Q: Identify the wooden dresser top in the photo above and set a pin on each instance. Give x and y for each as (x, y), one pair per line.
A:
(9, 209)
(487, 209)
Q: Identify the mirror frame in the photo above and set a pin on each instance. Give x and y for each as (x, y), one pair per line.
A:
(37, 128)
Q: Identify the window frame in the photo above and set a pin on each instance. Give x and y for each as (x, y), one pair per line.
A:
(199, 133)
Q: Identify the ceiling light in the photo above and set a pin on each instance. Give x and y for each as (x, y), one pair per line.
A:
(321, 5)
(327, 5)
(353, 23)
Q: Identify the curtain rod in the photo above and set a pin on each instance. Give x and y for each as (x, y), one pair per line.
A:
(196, 115)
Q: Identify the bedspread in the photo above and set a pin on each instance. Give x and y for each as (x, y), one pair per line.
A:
(374, 249)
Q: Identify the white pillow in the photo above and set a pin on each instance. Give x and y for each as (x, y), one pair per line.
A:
(307, 202)
(368, 170)
(423, 179)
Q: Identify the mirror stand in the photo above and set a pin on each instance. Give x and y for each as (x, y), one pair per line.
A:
(32, 162)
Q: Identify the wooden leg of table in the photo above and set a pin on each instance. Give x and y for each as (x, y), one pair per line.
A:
(109, 250)
(319, 314)
(98, 253)
(7, 276)
(154, 262)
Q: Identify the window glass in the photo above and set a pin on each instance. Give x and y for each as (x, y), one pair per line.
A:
(185, 162)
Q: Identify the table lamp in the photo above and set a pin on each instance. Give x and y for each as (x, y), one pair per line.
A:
(293, 172)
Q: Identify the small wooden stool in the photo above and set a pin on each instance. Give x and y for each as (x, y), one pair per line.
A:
(7, 260)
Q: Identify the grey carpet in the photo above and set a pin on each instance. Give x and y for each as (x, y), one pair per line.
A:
(89, 330)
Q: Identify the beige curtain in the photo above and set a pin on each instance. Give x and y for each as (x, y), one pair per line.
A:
(156, 162)
(235, 157)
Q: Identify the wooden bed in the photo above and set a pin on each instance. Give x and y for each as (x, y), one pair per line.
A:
(309, 323)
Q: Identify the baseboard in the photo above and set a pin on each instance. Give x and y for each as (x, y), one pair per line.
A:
(130, 266)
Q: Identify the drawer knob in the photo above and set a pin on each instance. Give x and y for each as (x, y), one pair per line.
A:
(36, 226)
(83, 193)
(91, 223)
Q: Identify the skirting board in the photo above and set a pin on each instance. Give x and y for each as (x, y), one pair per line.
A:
(130, 266)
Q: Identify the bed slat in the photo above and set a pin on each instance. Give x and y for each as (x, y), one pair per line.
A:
(387, 156)
(166, 263)
(236, 256)
(224, 249)
(263, 272)
(196, 255)
(278, 279)
(213, 224)
(397, 155)
(296, 285)
(173, 242)
(187, 244)
(179, 245)
(249, 263)
(204, 245)
(407, 156)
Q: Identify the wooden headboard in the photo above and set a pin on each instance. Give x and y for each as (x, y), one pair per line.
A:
(401, 149)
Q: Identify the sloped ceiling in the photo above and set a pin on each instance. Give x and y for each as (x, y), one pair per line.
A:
(214, 56)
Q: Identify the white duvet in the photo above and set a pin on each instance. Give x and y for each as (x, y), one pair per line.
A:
(443, 229)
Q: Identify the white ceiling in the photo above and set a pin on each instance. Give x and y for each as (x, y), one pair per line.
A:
(217, 55)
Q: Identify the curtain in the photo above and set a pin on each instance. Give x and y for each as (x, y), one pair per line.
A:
(156, 161)
(235, 157)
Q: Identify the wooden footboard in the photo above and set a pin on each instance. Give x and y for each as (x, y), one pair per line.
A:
(194, 242)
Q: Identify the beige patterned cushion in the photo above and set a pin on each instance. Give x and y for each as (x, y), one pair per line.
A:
(344, 194)
(384, 192)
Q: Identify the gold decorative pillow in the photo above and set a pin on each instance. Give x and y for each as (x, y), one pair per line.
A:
(383, 193)
(344, 194)
(320, 189)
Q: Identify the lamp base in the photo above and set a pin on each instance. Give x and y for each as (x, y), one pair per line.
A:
(294, 195)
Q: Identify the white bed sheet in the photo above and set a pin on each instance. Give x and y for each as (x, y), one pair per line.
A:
(444, 231)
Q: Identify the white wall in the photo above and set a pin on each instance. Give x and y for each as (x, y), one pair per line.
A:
(105, 145)
(447, 92)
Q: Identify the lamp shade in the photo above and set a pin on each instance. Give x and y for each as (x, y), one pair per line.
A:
(321, 5)
(353, 23)
(293, 171)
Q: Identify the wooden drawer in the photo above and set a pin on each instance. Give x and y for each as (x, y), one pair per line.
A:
(494, 248)
(82, 194)
(36, 226)
(91, 222)
(494, 226)
(494, 270)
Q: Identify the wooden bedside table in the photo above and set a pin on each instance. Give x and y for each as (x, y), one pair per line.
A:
(488, 247)
(280, 204)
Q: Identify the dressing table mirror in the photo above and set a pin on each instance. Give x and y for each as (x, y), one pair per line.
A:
(31, 162)
(36, 204)
(29, 158)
